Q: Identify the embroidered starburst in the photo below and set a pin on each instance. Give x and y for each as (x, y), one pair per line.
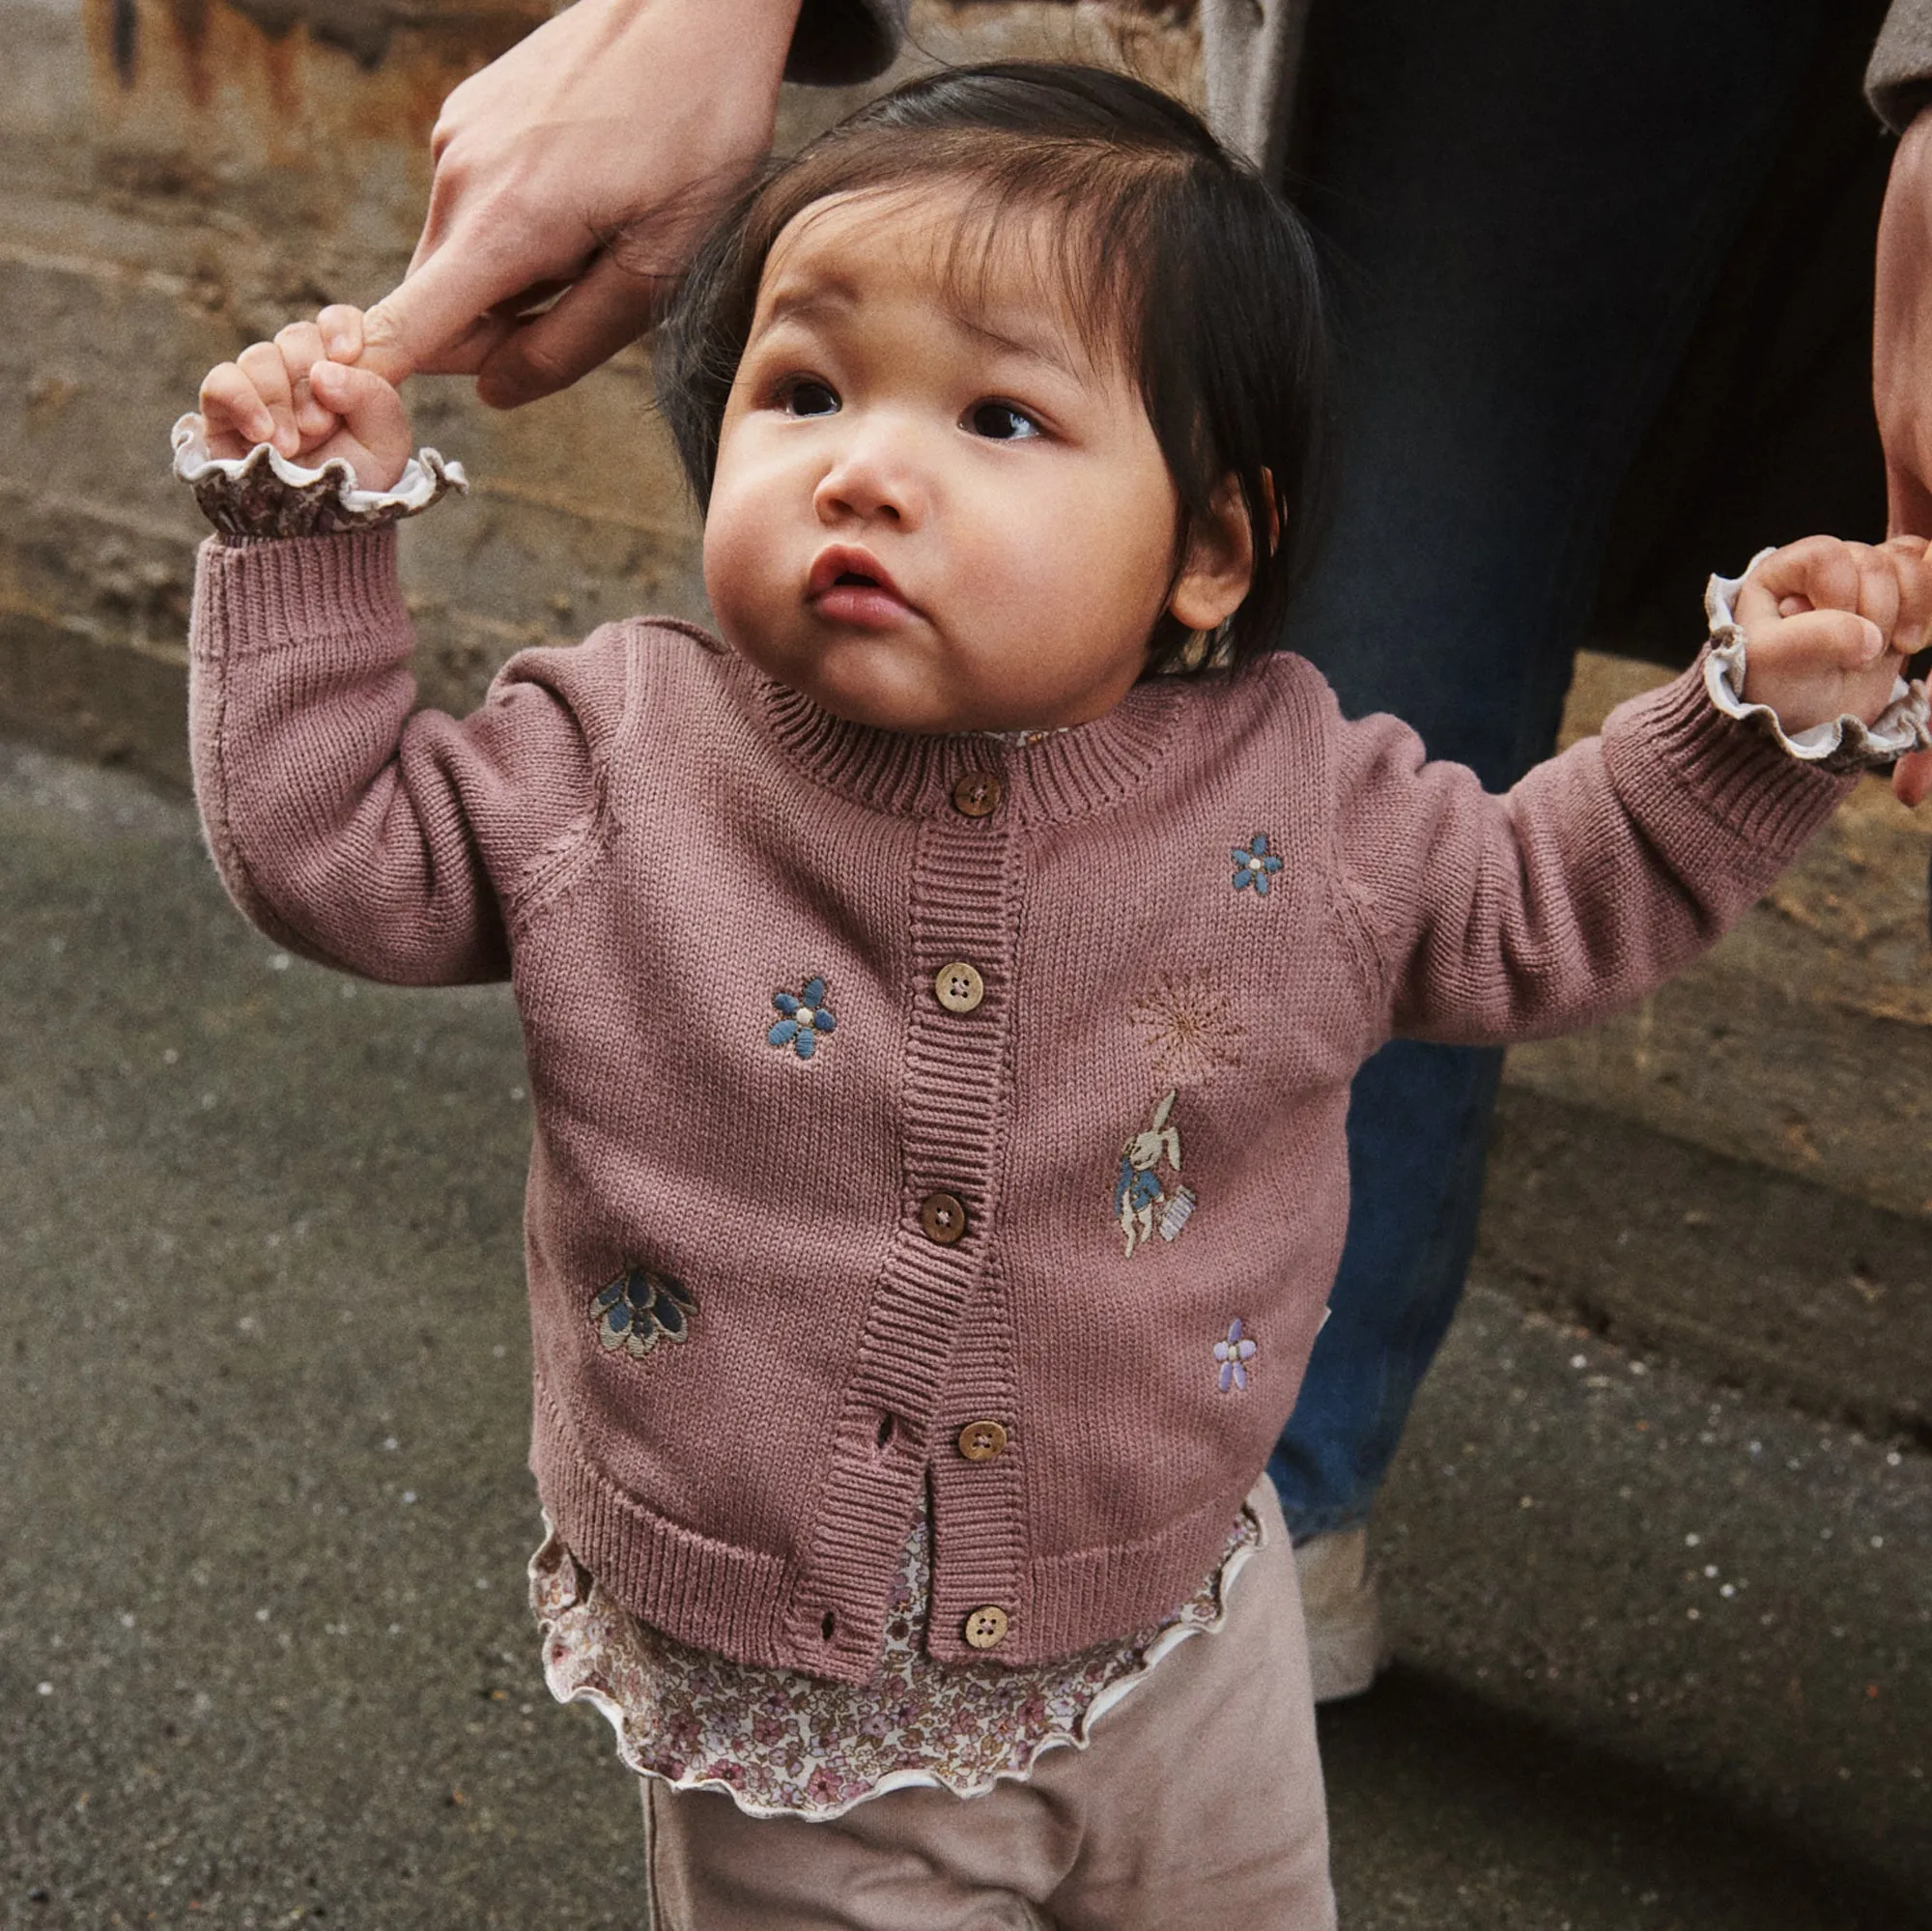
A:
(1191, 1027)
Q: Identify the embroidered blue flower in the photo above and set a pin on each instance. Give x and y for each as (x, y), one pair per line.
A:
(1255, 866)
(804, 1018)
(1233, 1355)
(639, 1309)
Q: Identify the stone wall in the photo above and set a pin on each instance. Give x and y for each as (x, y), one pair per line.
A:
(180, 176)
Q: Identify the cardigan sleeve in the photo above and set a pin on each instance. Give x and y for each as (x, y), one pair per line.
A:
(1898, 82)
(1605, 870)
(394, 844)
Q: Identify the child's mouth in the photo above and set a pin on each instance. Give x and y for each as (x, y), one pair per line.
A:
(850, 585)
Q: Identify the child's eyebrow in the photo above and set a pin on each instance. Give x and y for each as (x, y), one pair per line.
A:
(801, 304)
(823, 295)
(1035, 346)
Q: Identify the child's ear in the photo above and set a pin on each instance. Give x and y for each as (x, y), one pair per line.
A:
(1218, 566)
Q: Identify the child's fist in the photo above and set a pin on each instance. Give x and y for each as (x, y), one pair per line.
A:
(1828, 625)
(312, 408)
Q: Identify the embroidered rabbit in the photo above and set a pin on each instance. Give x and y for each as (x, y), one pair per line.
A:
(1138, 1190)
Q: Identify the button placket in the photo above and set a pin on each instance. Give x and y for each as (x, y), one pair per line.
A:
(961, 901)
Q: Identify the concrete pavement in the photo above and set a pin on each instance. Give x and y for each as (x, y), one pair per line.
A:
(1663, 1649)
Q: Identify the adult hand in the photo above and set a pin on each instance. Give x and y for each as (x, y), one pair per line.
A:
(1902, 367)
(578, 170)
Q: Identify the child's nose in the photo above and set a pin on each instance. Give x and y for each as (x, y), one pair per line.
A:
(873, 479)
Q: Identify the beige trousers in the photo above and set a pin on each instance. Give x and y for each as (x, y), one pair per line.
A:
(1198, 1801)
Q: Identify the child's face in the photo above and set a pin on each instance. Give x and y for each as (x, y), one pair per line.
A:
(935, 509)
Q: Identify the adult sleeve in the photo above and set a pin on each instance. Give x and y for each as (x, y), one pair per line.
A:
(1488, 919)
(394, 844)
(838, 42)
(1898, 82)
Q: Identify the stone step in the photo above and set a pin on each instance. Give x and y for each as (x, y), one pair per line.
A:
(1803, 1042)
(1735, 1172)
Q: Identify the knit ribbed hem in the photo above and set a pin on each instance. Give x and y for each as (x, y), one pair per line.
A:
(699, 1590)
(731, 1601)
(1769, 802)
(335, 598)
(1049, 777)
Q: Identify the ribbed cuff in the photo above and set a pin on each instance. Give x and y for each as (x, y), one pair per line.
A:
(335, 598)
(1674, 741)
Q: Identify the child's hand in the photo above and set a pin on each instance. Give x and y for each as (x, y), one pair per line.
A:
(1827, 624)
(289, 393)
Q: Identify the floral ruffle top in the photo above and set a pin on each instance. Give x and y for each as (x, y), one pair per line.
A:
(781, 1744)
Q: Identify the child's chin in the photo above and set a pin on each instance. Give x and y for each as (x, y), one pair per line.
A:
(867, 687)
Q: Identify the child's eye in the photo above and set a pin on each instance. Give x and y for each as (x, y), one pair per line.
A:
(1001, 422)
(809, 396)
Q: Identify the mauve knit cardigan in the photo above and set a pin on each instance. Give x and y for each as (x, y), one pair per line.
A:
(659, 848)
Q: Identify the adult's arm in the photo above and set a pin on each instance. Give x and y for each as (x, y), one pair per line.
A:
(581, 168)
(1899, 84)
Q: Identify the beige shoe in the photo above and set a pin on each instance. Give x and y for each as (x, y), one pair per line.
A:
(1344, 1612)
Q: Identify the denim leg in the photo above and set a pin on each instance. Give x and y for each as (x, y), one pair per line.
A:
(1523, 206)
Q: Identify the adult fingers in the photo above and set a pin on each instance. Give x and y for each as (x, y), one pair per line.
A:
(445, 317)
(372, 416)
(234, 413)
(262, 364)
(341, 328)
(1907, 555)
(1912, 778)
(1878, 585)
(589, 321)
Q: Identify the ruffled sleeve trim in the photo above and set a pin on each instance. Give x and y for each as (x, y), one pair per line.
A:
(265, 494)
(1844, 744)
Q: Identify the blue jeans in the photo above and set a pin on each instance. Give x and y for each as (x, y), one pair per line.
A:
(1525, 206)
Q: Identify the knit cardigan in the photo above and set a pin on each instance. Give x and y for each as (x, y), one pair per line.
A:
(957, 1113)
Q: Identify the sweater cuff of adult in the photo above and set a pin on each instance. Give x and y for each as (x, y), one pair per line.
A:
(838, 42)
(1898, 81)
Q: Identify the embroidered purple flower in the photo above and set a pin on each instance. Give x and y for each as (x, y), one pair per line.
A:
(1255, 866)
(806, 1017)
(1233, 1355)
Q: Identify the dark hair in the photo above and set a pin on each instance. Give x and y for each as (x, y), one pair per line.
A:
(1174, 254)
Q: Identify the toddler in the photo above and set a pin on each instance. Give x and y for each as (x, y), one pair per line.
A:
(941, 995)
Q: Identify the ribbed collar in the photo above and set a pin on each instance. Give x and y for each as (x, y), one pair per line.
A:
(1054, 776)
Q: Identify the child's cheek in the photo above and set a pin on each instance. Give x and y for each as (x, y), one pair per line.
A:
(740, 574)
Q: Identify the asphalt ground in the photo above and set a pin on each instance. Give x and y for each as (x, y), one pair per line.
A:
(1661, 1649)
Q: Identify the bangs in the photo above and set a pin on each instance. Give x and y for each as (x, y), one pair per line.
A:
(1072, 218)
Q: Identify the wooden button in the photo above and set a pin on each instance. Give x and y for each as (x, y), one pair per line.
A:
(985, 1626)
(982, 1440)
(978, 794)
(942, 1215)
(958, 986)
